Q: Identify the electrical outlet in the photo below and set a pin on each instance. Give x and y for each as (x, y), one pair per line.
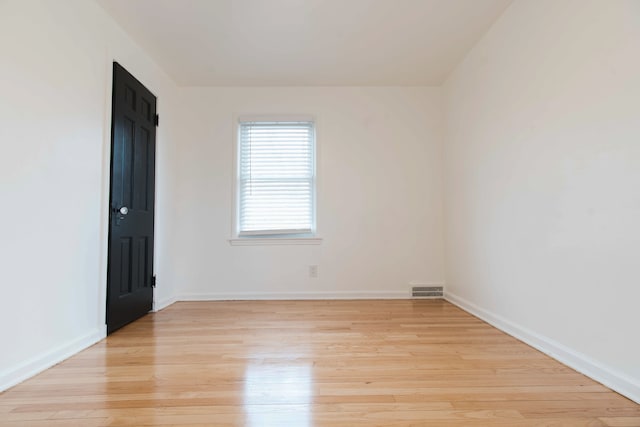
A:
(313, 271)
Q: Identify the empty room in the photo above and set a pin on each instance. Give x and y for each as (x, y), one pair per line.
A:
(320, 213)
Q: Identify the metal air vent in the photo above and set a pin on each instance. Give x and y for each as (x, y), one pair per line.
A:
(427, 292)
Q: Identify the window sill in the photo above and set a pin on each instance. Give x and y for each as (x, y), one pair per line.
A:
(262, 241)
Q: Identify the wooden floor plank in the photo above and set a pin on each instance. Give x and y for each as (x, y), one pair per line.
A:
(313, 363)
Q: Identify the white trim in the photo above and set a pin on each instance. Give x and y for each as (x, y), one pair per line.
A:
(101, 309)
(286, 118)
(161, 305)
(606, 375)
(253, 241)
(335, 295)
(35, 365)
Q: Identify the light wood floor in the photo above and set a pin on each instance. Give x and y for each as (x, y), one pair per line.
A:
(312, 363)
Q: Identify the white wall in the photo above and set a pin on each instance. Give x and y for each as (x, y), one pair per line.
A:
(379, 200)
(542, 181)
(55, 95)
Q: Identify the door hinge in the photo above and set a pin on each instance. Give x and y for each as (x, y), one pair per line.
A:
(153, 281)
(156, 120)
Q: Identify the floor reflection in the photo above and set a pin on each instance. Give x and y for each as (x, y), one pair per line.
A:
(277, 395)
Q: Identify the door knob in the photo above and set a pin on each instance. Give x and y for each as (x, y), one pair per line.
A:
(124, 210)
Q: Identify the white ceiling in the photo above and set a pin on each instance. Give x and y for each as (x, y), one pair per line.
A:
(306, 42)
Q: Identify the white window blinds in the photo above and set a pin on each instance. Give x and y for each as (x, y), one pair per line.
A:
(276, 188)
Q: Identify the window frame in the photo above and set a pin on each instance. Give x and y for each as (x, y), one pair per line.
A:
(250, 238)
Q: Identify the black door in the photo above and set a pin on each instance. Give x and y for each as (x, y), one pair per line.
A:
(133, 147)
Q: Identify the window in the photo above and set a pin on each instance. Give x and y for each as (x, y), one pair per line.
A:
(276, 178)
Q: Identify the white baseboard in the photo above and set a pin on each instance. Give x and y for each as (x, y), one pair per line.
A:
(344, 295)
(162, 304)
(35, 365)
(582, 363)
